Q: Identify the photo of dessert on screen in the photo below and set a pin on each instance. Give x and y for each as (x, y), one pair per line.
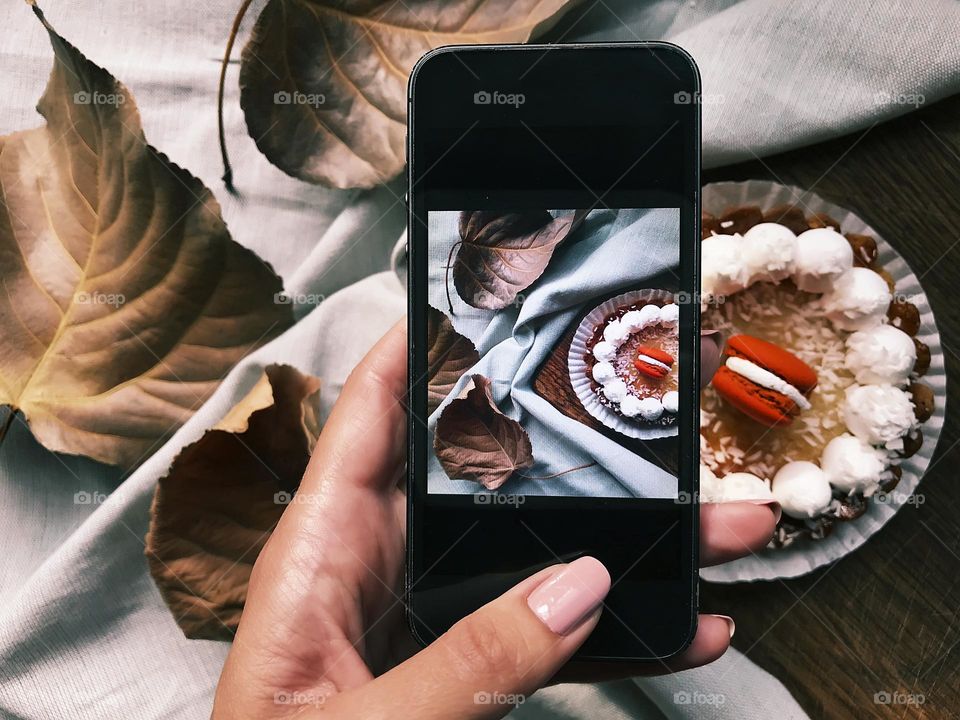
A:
(553, 355)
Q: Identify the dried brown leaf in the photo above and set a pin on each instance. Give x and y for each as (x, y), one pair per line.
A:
(449, 356)
(126, 301)
(323, 84)
(475, 441)
(217, 506)
(502, 254)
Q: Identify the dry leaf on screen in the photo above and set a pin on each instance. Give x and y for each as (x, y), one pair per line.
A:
(449, 356)
(501, 254)
(475, 441)
(216, 507)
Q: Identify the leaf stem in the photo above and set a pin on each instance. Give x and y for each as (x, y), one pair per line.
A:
(227, 170)
(446, 276)
(562, 472)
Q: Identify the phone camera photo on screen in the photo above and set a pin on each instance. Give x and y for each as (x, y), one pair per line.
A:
(576, 391)
(554, 325)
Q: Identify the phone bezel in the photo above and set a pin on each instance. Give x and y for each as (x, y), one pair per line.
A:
(419, 502)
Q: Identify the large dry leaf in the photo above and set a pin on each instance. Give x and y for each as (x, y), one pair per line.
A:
(125, 301)
(323, 82)
(449, 356)
(502, 254)
(475, 441)
(214, 511)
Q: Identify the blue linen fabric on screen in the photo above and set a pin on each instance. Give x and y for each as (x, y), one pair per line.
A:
(613, 251)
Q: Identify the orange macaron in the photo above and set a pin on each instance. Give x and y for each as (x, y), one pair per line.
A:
(653, 362)
(749, 391)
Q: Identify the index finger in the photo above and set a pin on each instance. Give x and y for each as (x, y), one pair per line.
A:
(363, 443)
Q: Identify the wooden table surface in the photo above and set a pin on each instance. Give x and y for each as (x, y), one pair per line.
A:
(884, 622)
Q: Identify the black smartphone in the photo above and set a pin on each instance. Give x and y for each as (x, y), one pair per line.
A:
(554, 329)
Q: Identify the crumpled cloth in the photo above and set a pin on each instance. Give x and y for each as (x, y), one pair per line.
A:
(83, 631)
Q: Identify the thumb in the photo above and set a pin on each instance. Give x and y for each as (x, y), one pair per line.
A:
(494, 658)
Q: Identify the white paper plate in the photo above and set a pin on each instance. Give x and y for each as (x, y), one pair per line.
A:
(806, 555)
(579, 370)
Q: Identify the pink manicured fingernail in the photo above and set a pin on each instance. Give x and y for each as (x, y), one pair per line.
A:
(731, 625)
(571, 596)
(773, 505)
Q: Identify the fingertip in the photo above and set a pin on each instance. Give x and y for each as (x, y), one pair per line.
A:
(714, 633)
(570, 597)
(735, 529)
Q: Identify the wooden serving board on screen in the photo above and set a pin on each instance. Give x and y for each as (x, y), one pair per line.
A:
(552, 383)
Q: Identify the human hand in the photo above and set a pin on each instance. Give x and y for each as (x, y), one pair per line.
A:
(323, 626)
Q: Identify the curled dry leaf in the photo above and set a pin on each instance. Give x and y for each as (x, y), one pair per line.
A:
(449, 356)
(500, 255)
(475, 441)
(126, 301)
(323, 83)
(215, 509)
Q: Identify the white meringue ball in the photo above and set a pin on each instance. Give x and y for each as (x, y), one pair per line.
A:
(851, 465)
(671, 401)
(721, 267)
(604, 351)
(603, 372)
(821, 256)
(802, 489)
(879, 414)
(880, 355)
(615, 390)
(649, 315)
(710, 488)
(744, 486)
(670, 315)
(615, 334)
(630, 406)
(768, 252)
(632, 321)
(858, 299)
(650, 408)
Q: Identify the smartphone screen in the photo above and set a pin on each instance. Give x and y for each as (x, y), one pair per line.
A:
(553, 326)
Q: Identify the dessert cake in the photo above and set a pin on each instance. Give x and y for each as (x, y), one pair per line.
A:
(631, 362)
(818, 394)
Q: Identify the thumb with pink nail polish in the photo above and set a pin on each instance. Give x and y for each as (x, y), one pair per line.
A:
(497, 657)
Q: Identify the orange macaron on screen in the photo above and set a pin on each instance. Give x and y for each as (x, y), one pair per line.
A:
(553, 352)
